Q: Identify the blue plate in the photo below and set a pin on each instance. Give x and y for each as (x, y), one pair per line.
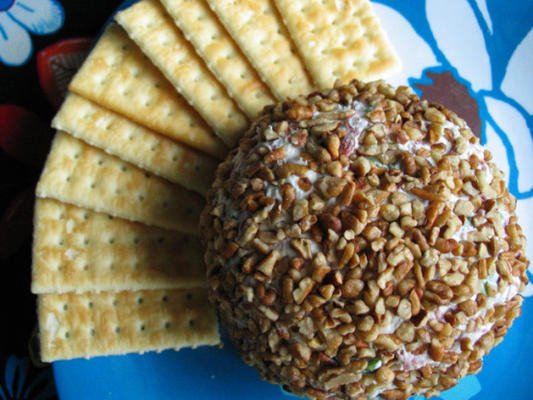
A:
(476, 57)
(213, 373)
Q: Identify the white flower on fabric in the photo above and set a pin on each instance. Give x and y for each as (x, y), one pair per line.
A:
(18, 18)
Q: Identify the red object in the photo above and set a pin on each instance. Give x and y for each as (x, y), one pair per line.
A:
(23, 135)
(58, 63)
(348, 145)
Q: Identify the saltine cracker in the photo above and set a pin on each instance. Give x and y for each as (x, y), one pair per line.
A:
(136, 144)
(116, 75)
(339, 39)
(259, 31)
(87, 325)
(154, 31)
(79, 250)
(221, 54)
(80, 174)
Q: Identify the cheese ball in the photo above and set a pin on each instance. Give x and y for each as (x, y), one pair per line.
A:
(360, 244)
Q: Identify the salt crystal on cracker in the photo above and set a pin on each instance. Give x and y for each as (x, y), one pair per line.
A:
(339, 39)
(80, 174)
(136, 144)
(154, 31)
(88, 325)
(117, 76)
(78, 250)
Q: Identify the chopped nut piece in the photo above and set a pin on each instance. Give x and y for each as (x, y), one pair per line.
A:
(288, 194)
(404, 309)
(464, 208)
(302, 351)
(328, 221)
(453, 279)
(361, 166)
(298, 112)
(300, 210)
(352, 288)
(249, 232)
(365, 324)
(427, 195)
(319, 272)
(436, 350)
(371, 232)
(304, 288)
(327, 291)
(269, 312)
(395, 229)
(275, 155)
(389, 212)
(229, 249)
(334, 144)
(303, 247)
(331, 186)
(384, 375)
(267, 265)
(288, 169)
(346, 196)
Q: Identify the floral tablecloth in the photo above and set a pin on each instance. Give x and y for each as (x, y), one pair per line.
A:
(474, 56)
(42, 43)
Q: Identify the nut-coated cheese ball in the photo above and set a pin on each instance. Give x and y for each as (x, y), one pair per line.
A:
(361, 243)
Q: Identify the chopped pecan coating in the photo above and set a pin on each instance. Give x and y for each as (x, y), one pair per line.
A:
(360, 243)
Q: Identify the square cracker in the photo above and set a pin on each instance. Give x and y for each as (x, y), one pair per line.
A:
(154, 31)
(339, 39)
(259, 31)
(220, 53)
(78, 250)
(88, 177)
(88, 324)
(136, 144)
(118, 76)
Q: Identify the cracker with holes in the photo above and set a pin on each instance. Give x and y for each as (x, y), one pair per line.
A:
(87, 325)
(134, 143)
(80, 174)
(117, 76)
(339, 39)
(220, 53)
(153, 30)
(259, 31)
(78, 250)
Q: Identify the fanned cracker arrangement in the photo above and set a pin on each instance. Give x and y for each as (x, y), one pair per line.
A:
(154, 31)
(133, 143)
(117, 76)
(258, 29)
(162, 97)
(221, 54)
